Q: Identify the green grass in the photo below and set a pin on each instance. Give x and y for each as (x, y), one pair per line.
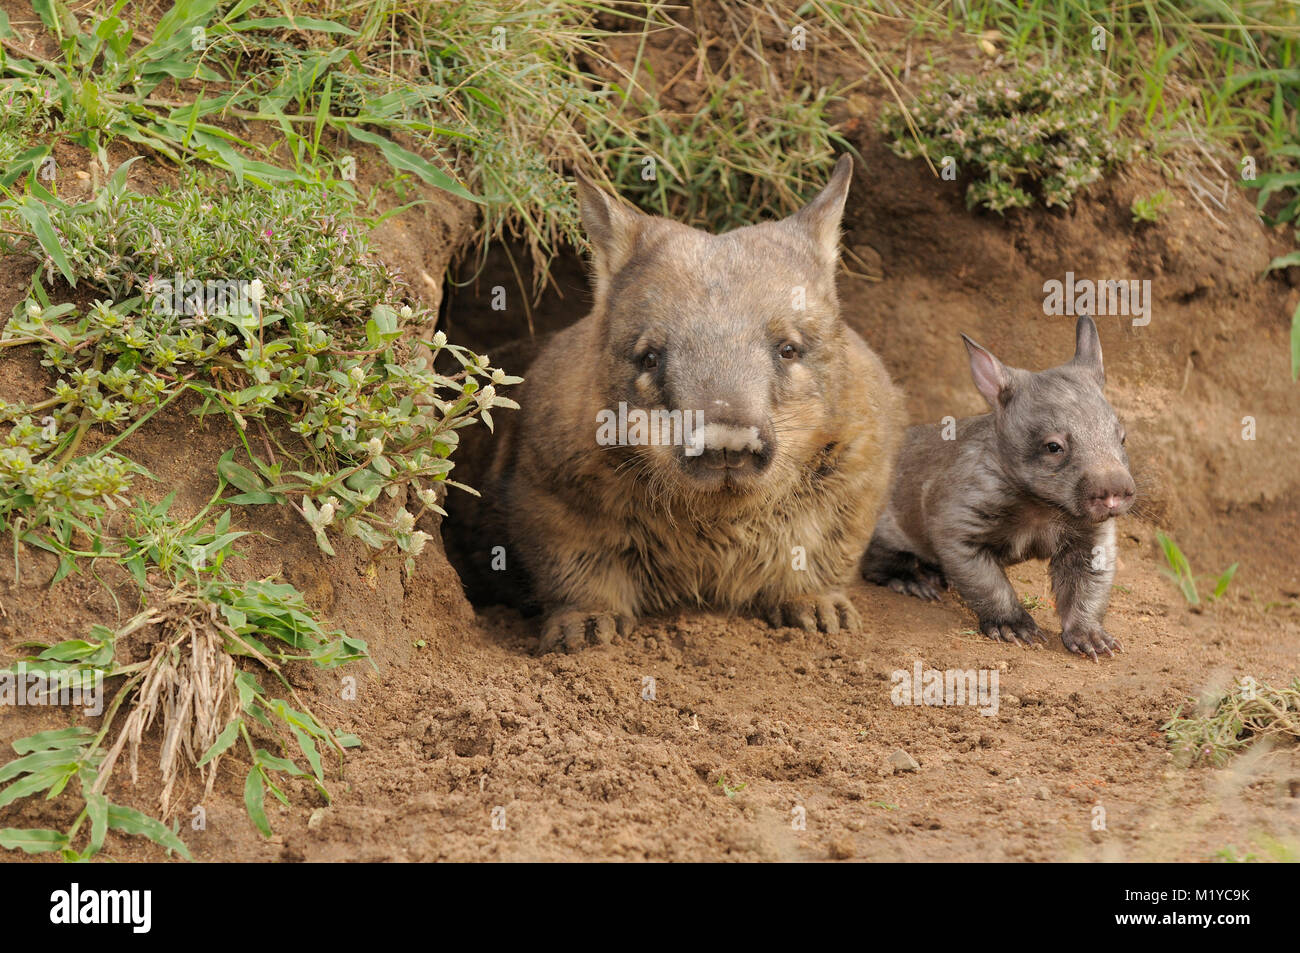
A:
(1149, 208)
(1180, 571)
(206, 705)
(730, 790)
(491, 100)
(308, 345)
(1237, 56)
(1271, 849)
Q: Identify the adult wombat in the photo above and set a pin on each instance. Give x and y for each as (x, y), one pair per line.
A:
(1041, 477)
(711, 434)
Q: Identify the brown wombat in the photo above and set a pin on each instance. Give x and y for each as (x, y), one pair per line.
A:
(712, 434)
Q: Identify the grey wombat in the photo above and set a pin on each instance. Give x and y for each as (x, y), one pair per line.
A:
(767, 504)
(1041, 477)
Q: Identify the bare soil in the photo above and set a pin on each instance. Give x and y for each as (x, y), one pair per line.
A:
(748, 723)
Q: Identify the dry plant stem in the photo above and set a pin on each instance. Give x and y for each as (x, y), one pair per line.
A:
(884, 76)
(192, 690)
(232, 634)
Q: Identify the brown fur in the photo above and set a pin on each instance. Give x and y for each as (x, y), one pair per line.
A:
(608, 533)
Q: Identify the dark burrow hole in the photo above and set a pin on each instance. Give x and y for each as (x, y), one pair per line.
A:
(485, 309)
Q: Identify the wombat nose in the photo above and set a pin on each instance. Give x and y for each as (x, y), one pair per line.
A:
(726, 459)
(718, 447)
(1109, 495)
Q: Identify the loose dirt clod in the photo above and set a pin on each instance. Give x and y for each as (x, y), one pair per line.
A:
(900, 760)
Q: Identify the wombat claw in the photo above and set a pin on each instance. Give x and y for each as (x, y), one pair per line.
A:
(572, 630)
(1020, 630)
(830, 613)
(1083, 641)
(922, 585)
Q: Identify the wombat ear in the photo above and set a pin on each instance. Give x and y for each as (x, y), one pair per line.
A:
(612, 226)
(821, 217)
(1087, 348)
(992, 379)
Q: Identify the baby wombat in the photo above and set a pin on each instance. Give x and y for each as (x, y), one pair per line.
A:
(711, 434)
(1041, 477)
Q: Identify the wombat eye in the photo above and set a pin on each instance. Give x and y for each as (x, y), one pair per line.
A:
(1053, 447)
(789, 351)
(649, 360)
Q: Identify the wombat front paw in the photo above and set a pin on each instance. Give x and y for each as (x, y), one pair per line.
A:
(572, 630)
(829, 612)
(1019, 627)
(1086, 640)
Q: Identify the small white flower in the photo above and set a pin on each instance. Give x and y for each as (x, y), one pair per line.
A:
(439, 339)
(428, 496)
(404, 522)
(406, 311)
(256, 290)
(33, 309)
(418, 539)
(374, 446)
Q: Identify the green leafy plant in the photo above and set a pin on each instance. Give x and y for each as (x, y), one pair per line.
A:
(267, 309)
(1216, 74)
(1285, 181)
(1270, 848)
(47, 763)
(757, 146)
(1180, 571)
(191, 684)
(491, 100)
(316, 343)
(1033, 602)
(729, 790)
(107, 79)
(1150, 207)
(1018, 137)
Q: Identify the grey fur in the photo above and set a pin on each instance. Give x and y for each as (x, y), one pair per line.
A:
(962, 510)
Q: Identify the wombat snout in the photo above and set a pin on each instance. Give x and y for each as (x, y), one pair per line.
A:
(722, 448)
(1108, 494)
